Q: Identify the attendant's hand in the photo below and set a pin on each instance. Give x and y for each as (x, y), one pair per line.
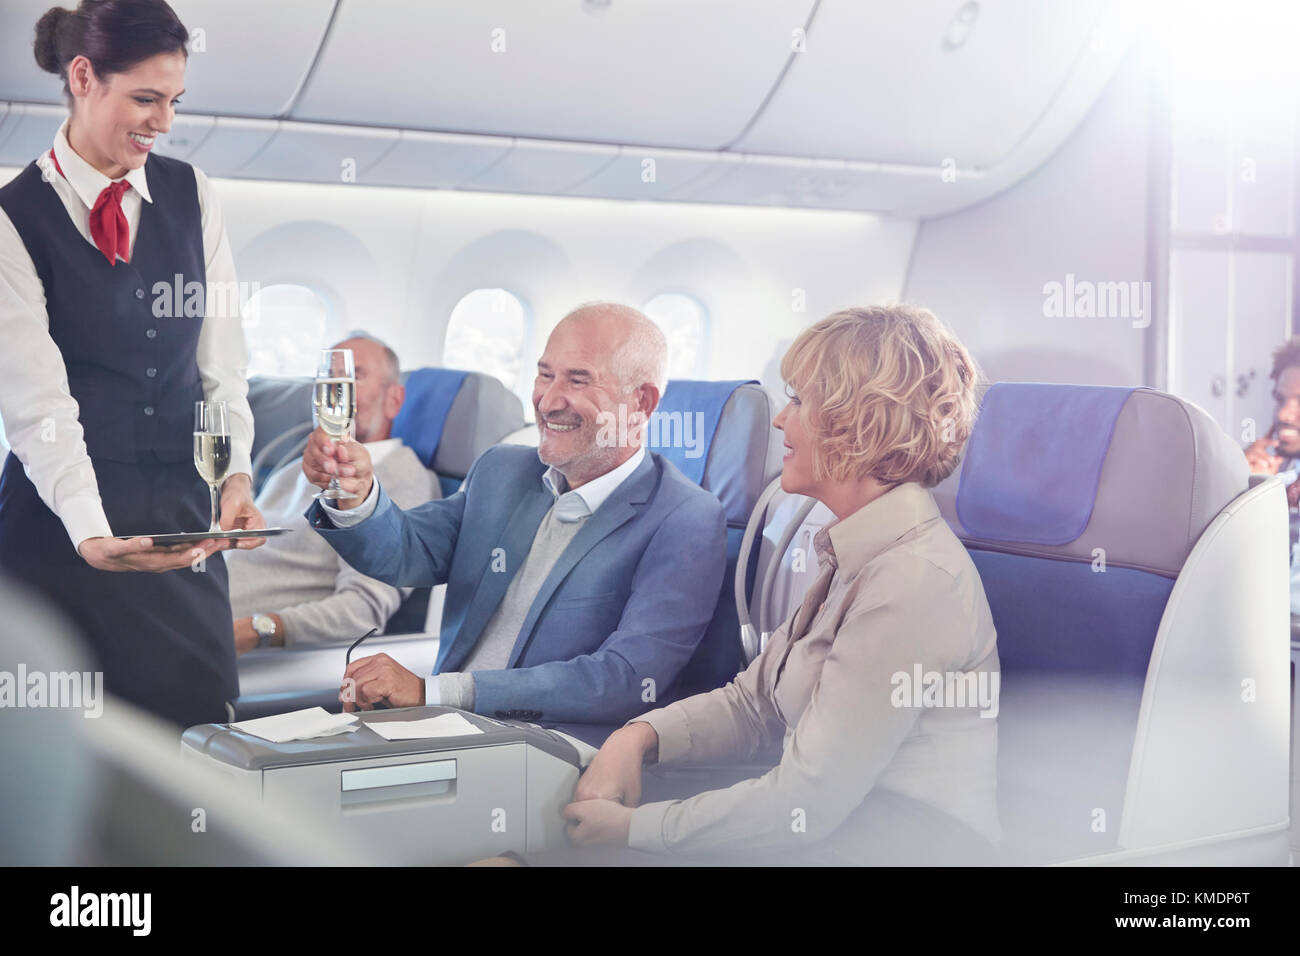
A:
(238, 510)
(615, 772)
(1293, 493)
(598, 822)
(139, 554)
(325, 457)
(379, 679)
(1260, 457)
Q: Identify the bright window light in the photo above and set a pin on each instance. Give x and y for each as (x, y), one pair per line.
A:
(683, 321)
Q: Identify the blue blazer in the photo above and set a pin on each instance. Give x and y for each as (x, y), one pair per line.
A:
(617, 618)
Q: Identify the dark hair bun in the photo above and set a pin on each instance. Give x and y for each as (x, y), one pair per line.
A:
(46, 46)
(114, 35)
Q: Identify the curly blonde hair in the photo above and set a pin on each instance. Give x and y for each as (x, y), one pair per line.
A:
(887, 392)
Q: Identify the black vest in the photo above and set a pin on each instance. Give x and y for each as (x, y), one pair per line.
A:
(127, 341)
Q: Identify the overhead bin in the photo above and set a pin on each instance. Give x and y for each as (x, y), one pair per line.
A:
(612, 71)
(249, 57)
(893, 82)
(887, 107)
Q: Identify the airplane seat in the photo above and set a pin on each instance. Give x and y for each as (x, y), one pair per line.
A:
(282, 420)
(786, 563)
(1139, 588)
(719, 435)
(449, 418)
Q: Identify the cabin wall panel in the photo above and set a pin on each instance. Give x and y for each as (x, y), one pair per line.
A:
(1080, 218)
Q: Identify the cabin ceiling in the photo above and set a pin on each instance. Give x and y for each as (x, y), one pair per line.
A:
(912, 109)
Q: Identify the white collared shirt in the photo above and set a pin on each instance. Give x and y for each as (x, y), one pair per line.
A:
(35, 403)
(594, 492)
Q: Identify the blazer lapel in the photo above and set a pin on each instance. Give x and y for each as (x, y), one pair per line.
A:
(517, 541)
(618, 509)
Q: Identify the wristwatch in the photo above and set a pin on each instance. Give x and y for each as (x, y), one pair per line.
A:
(264, 625)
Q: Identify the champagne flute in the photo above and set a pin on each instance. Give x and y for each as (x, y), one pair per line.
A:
(334, 404)
(212, 449)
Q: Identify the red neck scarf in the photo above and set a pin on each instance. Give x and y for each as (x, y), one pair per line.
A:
(108, 226)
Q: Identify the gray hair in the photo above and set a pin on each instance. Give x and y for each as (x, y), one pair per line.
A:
(642, 357)
(392, 367)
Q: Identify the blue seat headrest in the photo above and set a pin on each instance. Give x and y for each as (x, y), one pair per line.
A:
(1034, 461)
(683, 426)
(429, 396)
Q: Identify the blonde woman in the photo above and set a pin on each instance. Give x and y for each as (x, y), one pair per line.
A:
(873, 770)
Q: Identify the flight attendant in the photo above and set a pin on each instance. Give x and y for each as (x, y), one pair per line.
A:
(100, 368)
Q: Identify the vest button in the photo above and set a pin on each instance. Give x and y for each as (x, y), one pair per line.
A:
(139, 293)
(151, 372)
(148, 409)
(151, 333)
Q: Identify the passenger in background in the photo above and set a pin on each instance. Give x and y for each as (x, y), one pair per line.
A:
(295, 591)
(881, 400)
(575, 592)
(1278, 452)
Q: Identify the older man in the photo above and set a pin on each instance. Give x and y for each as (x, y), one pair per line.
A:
(580, 576)
(295, 590)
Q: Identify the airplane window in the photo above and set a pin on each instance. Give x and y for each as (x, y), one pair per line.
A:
(284, 326)
(487, 333)
(683, 321)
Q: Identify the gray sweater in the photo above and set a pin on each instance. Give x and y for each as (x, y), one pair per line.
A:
(320, 598)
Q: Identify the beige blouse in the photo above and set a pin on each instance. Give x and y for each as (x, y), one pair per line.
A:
(886, 676)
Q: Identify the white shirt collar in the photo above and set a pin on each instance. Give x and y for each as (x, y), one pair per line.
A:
(595, 492)
(87, 181)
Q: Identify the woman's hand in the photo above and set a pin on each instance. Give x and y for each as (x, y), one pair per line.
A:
(238, 510)
(597, 822)
(139, 554)
(615, 772)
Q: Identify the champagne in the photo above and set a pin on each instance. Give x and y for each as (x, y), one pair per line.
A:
(335, 401)
(212, 456)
